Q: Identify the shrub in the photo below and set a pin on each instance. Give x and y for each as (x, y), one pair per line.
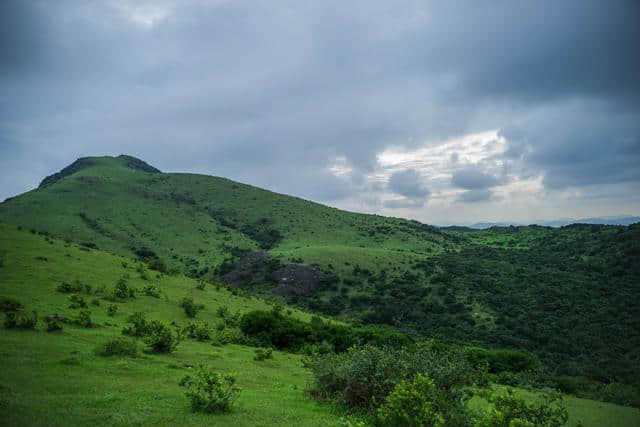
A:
(20, 320)
(263, 354)
(54, 322)
(502, 360)
(190, 308)
(95, 302)
(10, 304)
(67, 288)
(201, 331)
(122, 290)
(77, 301)
(510, 410)
(362, 376)
(84, 319)
(416, 403)
(201, 284)
(229, 336)
(210, 391)
(152, 291)
(160, 338)
(111, 310)
(139, 325)
(118, 347)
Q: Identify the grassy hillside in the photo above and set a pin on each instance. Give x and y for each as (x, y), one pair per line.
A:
(56, 378)
(570, 295)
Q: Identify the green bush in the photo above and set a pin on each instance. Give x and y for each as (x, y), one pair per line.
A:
(199, 331)
(118, 347)
(54, 322)
(363, 376)
(122, 291)
(210, 391)
(414, 403)
(67, 288)
(10, 304)
(84, 319)
(112, 310)
(160, 338)
(77, 301)
(190, 308)
(229, 336)
(502, 360)
(95, 302)
(152, 291)
(512, 411)
(263, 354)
(138, 325)
(20, 320)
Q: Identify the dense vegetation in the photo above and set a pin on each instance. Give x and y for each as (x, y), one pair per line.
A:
(538, 307)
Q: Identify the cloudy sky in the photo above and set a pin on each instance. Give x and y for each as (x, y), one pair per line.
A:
(446, 112)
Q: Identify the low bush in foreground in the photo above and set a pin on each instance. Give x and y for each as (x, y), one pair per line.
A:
(210, 391)
(510, 410)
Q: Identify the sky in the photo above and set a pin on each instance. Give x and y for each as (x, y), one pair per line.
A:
(444, 112)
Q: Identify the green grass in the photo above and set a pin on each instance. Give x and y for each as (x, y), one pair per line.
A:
(56, 378)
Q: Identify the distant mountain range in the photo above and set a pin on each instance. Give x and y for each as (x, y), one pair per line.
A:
(605, 220)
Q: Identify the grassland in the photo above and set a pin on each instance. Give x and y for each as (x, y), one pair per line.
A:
(57, 379)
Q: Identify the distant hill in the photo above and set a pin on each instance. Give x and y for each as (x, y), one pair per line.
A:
(605, 220)
(523, 287)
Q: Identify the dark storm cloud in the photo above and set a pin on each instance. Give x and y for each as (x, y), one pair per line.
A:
(271, 95)
(408, 183)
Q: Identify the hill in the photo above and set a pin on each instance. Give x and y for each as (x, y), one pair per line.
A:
(516, 287)
(56, 378)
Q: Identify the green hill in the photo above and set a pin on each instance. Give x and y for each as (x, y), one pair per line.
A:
(55, 378)
(569, 295)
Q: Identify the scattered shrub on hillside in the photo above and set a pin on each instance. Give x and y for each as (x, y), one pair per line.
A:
(95, 302)
(84, 319)
(122, 291)
(138, 325)
(190, 308)
(199, 331)
(210, 391)
(414, 403)
(158, 265)
(10, 304)
(54, 322)
(152, 291)
(263, 354)
(20, 320)
(112, 310)
(77, 301)
(118, 347)
(201, 284)
(509, 410)
(160, 338)
(229, 335)
(67, 288)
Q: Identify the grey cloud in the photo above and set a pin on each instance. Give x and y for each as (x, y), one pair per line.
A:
(403, 203)
(473, 178)
(270, 94)
(408, 183)
(478, 195)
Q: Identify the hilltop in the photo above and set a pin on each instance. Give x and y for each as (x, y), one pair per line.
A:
(516, 287)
